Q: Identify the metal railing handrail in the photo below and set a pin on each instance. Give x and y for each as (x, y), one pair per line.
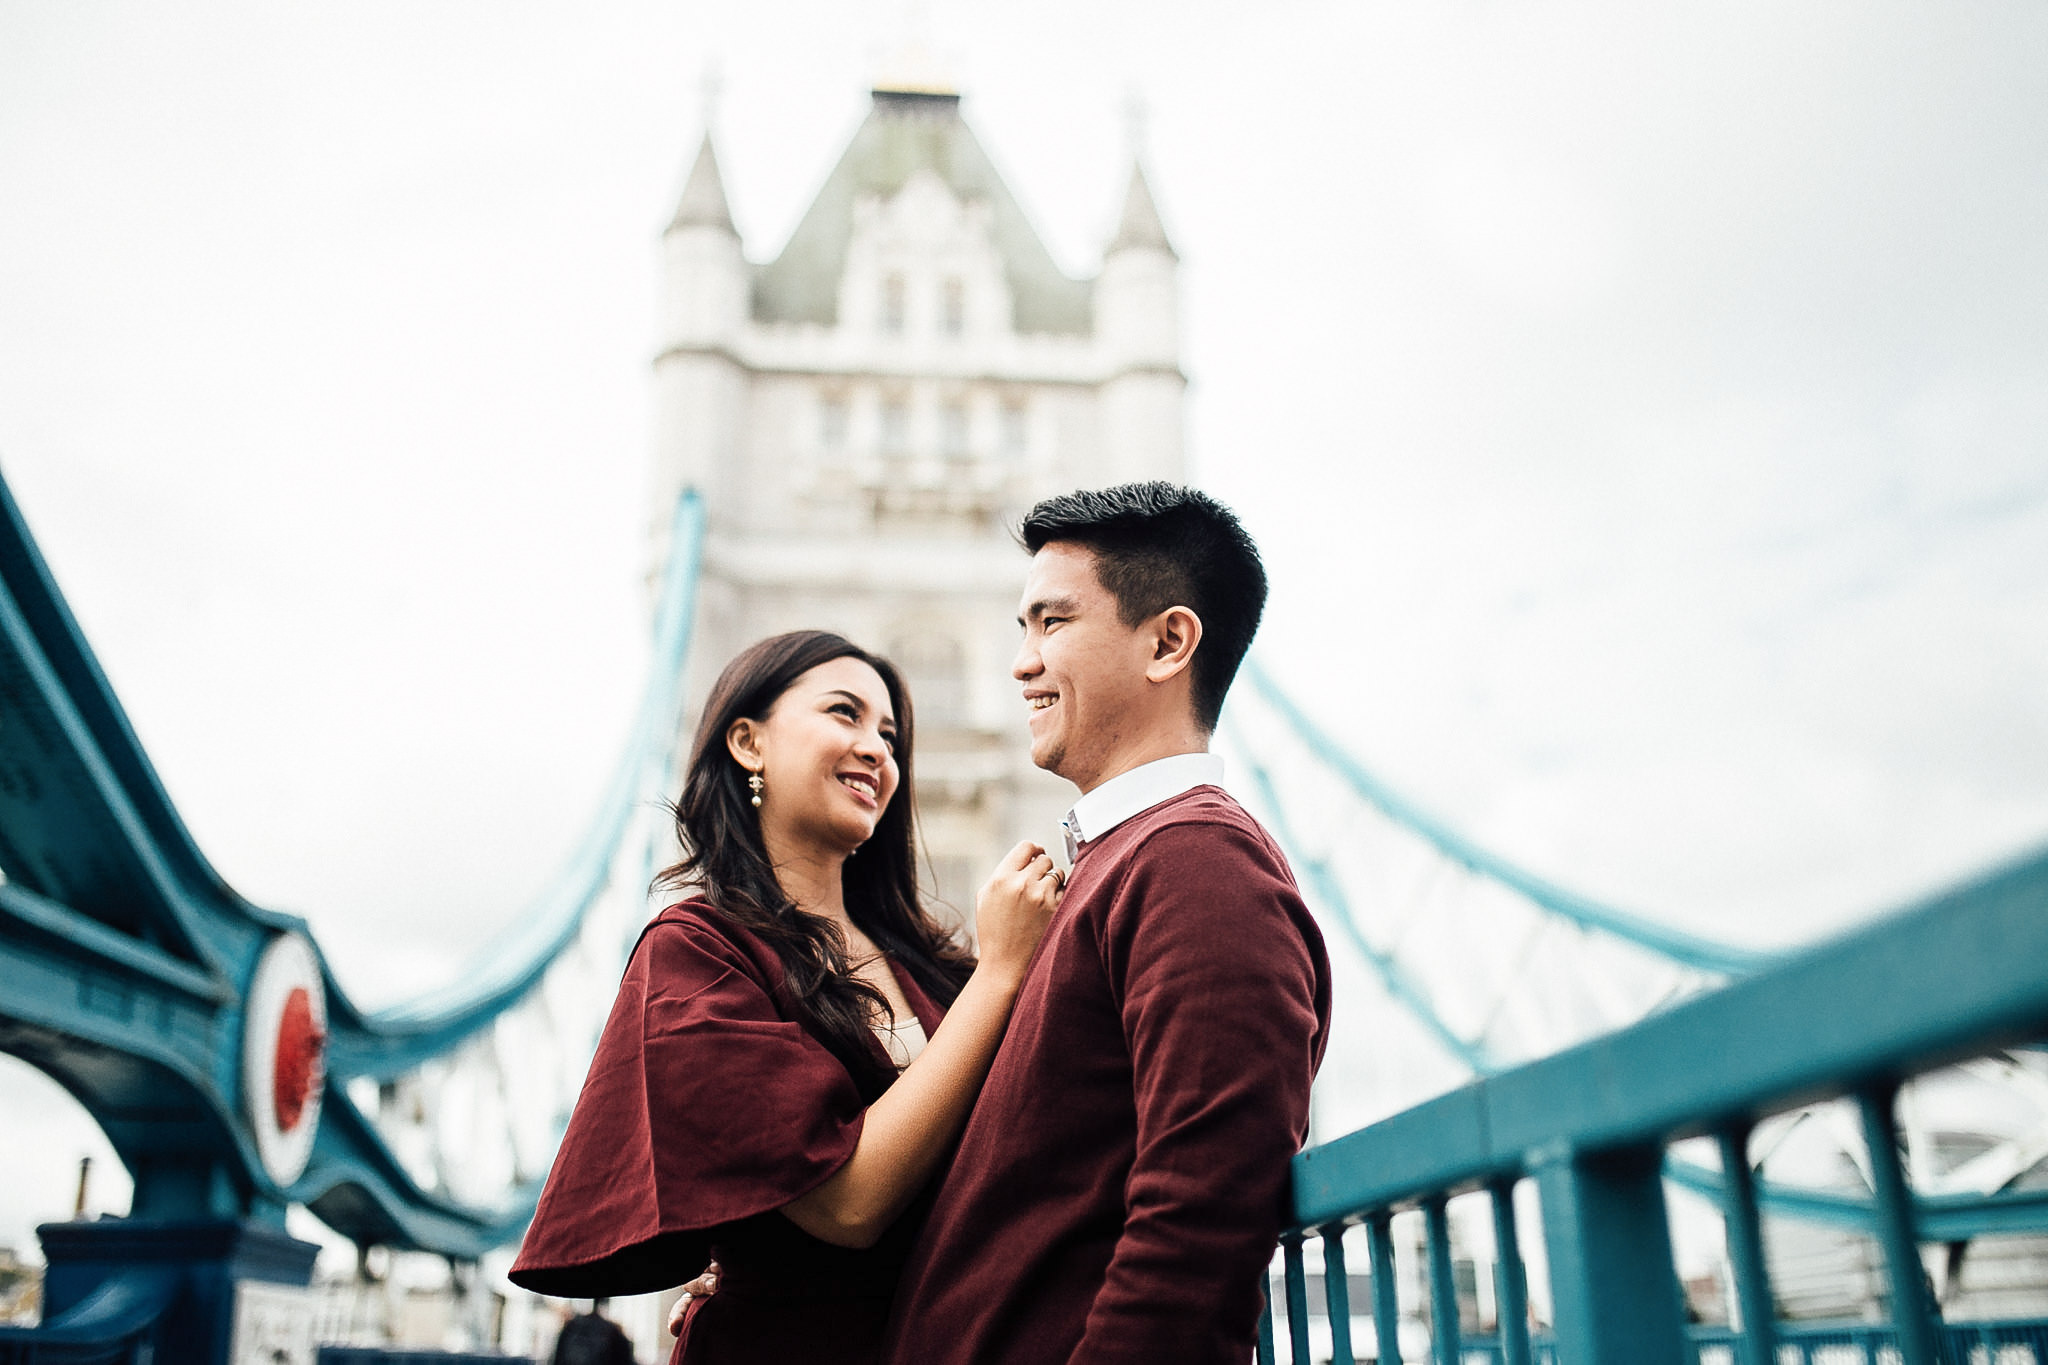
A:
(1961, 974)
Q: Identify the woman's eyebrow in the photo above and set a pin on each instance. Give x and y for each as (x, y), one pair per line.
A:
(887, 720)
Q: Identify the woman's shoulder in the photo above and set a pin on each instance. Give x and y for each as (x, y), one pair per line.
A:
(696, 926)
(694, 916)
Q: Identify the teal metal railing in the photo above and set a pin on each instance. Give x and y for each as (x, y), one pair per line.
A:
(2019, 1342)
(1961, 975)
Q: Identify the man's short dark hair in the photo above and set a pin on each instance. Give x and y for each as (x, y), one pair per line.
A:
(1158, 545)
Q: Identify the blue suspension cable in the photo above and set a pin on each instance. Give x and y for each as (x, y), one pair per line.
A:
(401, 1037)
(1330, 891)
(1687, 950)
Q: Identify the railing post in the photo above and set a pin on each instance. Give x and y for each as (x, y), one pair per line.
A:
(1265, 1348)
(1746, 1250)
(1612, 1282)
(1510, 1279)
(1912, 1309)
(1297, 1300)
(1443, 1284)
(1386, 1299)
(1337, 1295)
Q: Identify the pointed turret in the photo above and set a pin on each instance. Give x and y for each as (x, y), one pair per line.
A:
(1140, 226)
(703, 203)
(1137, 314)
(1137, 335)
(705, 279)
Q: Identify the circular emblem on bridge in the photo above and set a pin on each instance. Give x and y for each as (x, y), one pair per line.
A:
(284, 1050)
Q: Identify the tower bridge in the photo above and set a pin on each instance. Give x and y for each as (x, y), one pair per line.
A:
(844, 435)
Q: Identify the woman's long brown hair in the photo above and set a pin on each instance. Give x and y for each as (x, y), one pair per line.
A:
(725, 861)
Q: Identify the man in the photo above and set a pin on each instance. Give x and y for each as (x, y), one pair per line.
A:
(1118, 1190)
(592, 1339)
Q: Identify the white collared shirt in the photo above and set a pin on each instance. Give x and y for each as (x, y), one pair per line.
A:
(1140, 789)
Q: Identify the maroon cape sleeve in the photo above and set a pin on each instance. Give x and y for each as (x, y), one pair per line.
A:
(703, 1106)
(1225, 1002)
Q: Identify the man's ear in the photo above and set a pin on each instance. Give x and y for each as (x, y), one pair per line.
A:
(743, 742)
(1174, 634)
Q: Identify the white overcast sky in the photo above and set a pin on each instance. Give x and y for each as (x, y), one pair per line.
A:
(1644, 409)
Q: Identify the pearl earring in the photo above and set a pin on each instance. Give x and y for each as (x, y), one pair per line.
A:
(754, 781)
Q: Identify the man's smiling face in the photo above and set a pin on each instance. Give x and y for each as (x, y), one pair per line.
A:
(1082, 668)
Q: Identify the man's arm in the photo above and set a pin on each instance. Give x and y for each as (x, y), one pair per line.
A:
(1224, 997)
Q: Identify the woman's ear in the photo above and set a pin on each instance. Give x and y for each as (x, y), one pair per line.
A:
(743, 742)
(1175, 633)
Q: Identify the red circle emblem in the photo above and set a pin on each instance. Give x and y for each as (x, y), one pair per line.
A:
(301, 1045)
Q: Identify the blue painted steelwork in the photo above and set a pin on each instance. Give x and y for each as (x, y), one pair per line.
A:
(1297, 1297)
(1957, 976)
(1746, 1248)
(1511, 1287)
(144, 1291)
(127, 958)
(1386, 1304)
(1833, 1343)
(1940, 1217)
(1443, 1289)
(1337, 1296)
(1912, 1307)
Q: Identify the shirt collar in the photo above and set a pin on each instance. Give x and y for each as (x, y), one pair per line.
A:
(1142, 788)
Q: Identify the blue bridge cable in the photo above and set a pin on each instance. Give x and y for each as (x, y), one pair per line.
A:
(1938, 1218)
(1330, 891)
(354, 1182)
(1675, 945)
(396, 1039)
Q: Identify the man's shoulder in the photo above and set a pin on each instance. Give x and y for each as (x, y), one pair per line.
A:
(1205, 813)
(1200, 836)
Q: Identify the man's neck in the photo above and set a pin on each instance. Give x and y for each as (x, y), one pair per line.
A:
(1167, 746)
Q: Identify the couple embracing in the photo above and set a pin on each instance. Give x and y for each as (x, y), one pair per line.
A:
(1073, 1149)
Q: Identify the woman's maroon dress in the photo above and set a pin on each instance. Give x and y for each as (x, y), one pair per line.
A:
(708, 1108)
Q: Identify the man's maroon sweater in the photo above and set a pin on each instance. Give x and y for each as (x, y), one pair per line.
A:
(1119, 1188)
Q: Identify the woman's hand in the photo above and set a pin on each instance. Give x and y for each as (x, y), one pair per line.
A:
(913, 1123)
(1014, 908)
(703, 1287)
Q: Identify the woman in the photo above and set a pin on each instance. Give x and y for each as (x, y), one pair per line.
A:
(773, 1088)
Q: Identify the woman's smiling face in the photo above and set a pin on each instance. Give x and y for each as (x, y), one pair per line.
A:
(826, 756)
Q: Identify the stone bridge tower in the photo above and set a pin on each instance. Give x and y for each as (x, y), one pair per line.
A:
(868, 415)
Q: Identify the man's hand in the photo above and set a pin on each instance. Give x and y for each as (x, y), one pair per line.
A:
(703, 1287)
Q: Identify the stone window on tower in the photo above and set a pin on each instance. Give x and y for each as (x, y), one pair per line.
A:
(1016, 431)
(953, 430)
(935, 674)
(895, 427)
(895, 305)
(953, 308)
(832, 424)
